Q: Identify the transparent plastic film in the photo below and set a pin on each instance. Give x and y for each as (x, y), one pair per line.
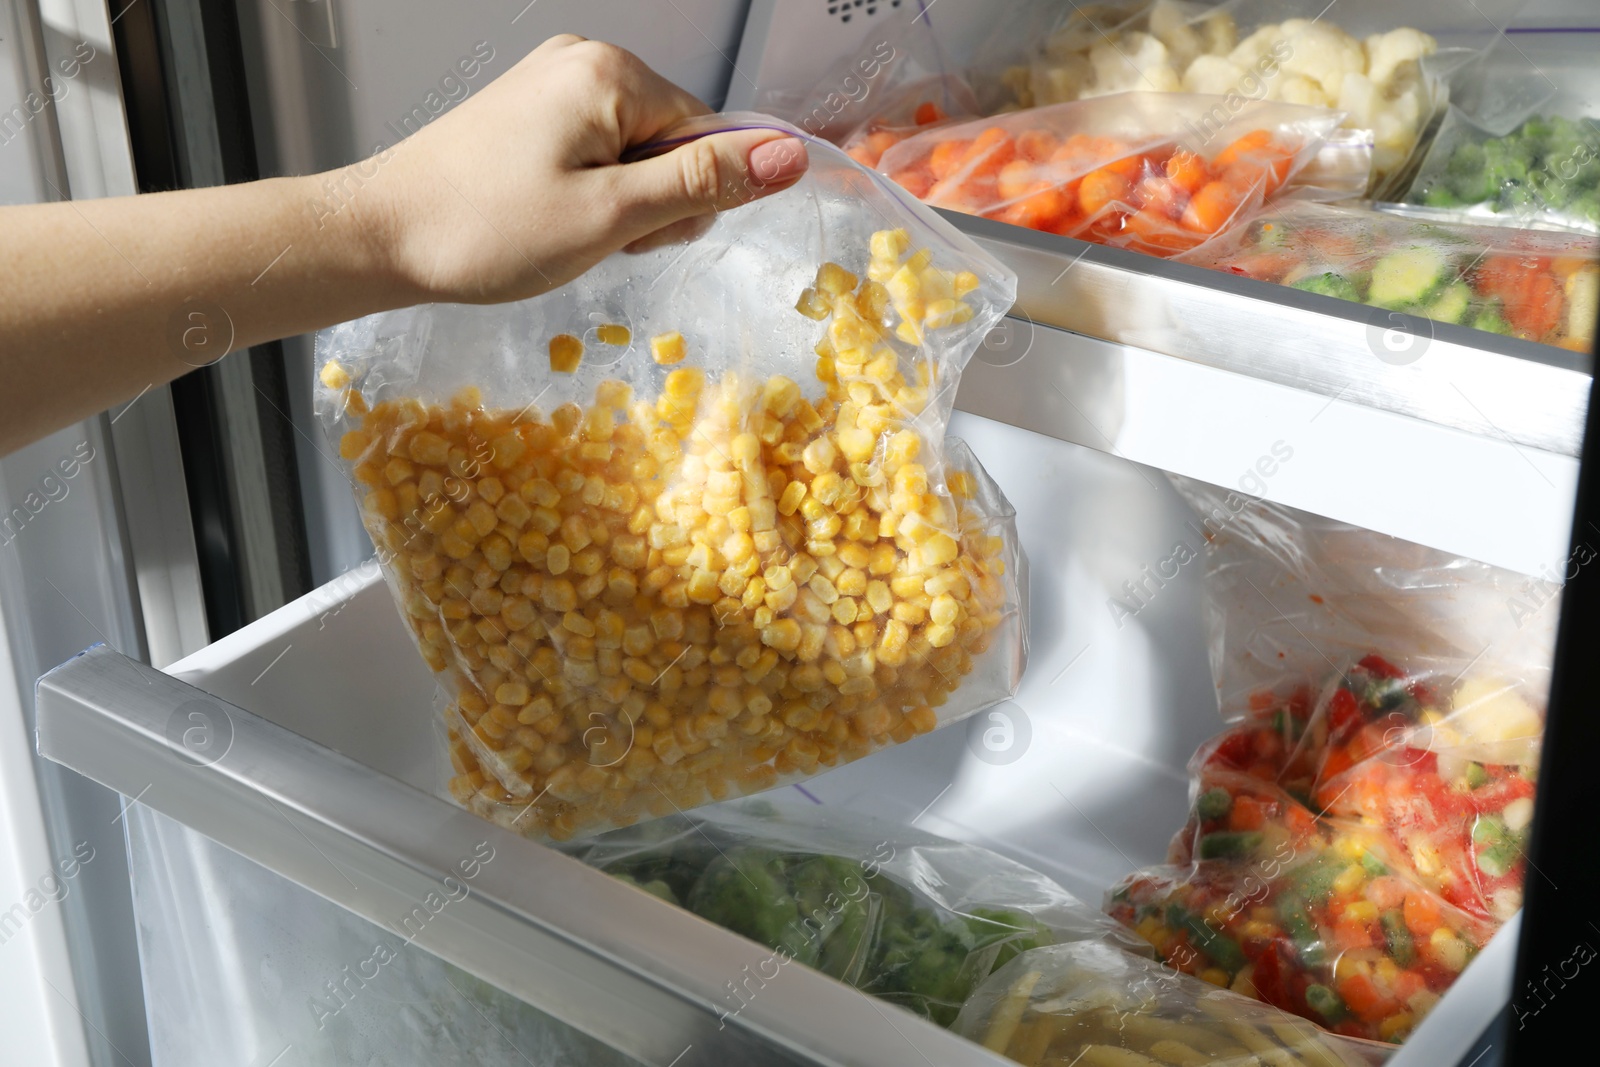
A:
(1380, 79)
(1160, 174)
(903, 915)
(1090, 1004)
(688, 527)
(1539, 285)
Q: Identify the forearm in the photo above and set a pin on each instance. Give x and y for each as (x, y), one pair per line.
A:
(104, 298)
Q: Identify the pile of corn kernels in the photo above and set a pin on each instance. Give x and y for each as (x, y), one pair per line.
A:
(642, 606)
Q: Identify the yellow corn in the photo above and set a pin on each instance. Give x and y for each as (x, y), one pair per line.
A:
(668, 348)
(742, 579)
(566, 351)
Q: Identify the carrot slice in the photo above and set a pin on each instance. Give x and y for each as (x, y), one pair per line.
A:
(1015, 179)
(1252, 142)
(990, 150)
(1152, 230)
(1100, 188)
(1035, 146)
(1042, 210)
(1187, 170)
(927, 112)
(1212, 207)
(946, 158)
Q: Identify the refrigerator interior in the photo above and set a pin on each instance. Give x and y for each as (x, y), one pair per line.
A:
(1081, 775)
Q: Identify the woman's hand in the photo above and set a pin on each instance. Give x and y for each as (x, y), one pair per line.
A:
(516, 191)
(520, 189)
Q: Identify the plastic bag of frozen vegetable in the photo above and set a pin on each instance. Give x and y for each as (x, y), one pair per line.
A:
(1518, 146)
(1380, 79)
(1157, 173)
(1287, 594)
(689, 526)
(895, 912)
(1356, 834)
(1093, 1006)
(1330, 929)
(1539, 285)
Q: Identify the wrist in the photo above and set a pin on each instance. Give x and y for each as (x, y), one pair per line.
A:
(356, 210)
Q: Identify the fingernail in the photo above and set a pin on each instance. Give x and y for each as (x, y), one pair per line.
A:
(776, 162)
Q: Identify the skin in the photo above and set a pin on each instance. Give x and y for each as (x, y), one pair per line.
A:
(515, 192)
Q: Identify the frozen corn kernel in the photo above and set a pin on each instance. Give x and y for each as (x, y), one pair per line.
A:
(889, 244)
(334, 376)
(613, 333)
(566, 352)
(834, 280)
(813, 305)
(668, 348)
(748, 579)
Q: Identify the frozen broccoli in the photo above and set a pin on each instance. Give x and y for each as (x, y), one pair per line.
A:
(1329, 283)
(747, 892)
(1490, 320)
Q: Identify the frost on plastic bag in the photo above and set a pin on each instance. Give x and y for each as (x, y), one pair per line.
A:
(737, 550)
(903, 915)
(1357, 834)
(1517, 147)
(1542, 286)
(1440, 761)
(1159, 174)
(900, 66)
(1259, 50)
(1090, 1004)
(1286, 593)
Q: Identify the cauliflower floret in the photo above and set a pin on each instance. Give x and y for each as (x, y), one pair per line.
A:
(1169, 24)
(1219, 33)
(1360, 100)
(1061, 82)
(1397, 51)
(1322, 52)
(1086, 26)
(1297, 89)
(1133, 65)
(1249, 51)
(1212, 74)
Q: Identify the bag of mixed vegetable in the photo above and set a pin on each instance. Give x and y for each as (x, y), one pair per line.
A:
(688, 527)
(903, 915)
(1539, 285)
(1093, 1006)
(1383, 85)
(1156, 173)
(1517, 147)
(1356, 836)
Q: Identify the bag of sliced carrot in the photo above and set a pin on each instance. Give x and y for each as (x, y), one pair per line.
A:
(1159, 173)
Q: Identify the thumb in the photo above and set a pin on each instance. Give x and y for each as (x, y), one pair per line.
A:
(713, 173)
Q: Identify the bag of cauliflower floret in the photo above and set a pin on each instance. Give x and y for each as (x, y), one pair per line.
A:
(688, 527)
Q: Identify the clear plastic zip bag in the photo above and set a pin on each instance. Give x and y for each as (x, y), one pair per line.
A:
(688, 527)
(898, 913)
(1091, 1005)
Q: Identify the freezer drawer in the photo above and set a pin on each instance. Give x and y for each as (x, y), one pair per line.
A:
(306, 744)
